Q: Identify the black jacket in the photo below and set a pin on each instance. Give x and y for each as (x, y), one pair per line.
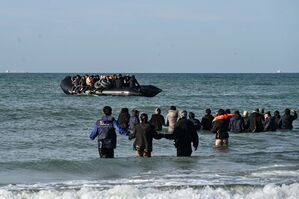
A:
(256, 122)
(220, 129)
(270, 124)
(157, 121)
(206, 122)
(287, 121)
(144, 134)
(185, 134)
(196, 123)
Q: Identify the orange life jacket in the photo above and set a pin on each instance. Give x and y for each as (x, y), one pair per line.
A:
(223, 117)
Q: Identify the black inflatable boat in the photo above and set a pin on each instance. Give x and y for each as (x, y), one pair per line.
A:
(143, 90)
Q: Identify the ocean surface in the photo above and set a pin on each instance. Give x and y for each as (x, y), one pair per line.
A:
(45, 150)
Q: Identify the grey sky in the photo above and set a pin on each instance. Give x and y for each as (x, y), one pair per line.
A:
(149, 36)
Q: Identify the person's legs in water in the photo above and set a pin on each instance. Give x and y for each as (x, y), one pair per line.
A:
(106, 153)
(221, 142)
(146, 154)
(184, 152)
(139, 153)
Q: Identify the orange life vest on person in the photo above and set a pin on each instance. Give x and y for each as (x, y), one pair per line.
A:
(223, 117)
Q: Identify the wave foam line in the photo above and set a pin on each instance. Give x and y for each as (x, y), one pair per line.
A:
(131, 192)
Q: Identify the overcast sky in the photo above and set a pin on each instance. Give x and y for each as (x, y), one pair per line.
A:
(149, 36)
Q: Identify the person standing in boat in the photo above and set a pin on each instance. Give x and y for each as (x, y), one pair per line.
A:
(105, 129)
(133, 82)
(171, 119)
(127, 80)
(76, 83)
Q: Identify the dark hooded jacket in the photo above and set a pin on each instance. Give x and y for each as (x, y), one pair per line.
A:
(206, 122)
(144, 134)
(157, 120)
(185, 134)
(270, 124)
(195, 121)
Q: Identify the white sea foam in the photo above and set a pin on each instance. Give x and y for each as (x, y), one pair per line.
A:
(132, 192)
(280, 173)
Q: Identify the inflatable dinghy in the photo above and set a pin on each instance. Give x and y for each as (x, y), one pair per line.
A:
(143, 90)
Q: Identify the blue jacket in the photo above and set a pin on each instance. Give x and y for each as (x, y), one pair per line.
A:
(105, 129)
(236, 124)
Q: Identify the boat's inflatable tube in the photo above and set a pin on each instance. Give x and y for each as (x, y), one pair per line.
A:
(97, 84)
(105, 83)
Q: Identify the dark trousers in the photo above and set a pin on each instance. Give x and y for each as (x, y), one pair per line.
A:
(180, 152)
(106, 153)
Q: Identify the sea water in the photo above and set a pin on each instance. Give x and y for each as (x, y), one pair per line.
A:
(45, 150)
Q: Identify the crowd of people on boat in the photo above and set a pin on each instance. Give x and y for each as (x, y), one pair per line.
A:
(93, 83)
(182, 127)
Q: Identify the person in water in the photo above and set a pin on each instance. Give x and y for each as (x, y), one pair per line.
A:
(185, 136)
(144, 133)
(246, 121)
(124, 118)
(134, 119)
(220, 128)
(195, 121)
(105, 129)
(256, 122)
(171, 119)
(287, 119)
(269, 124)
(207, 120)
(278, 121)
(157, 120)
(236, 123)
